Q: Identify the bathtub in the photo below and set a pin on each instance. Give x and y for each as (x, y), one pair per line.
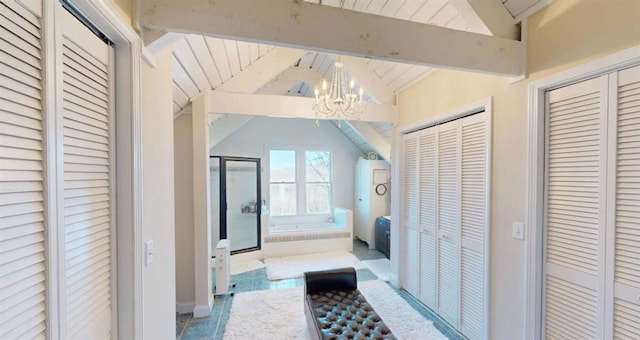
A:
(303, 238)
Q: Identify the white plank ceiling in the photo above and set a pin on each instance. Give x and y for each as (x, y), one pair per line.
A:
(204, 63)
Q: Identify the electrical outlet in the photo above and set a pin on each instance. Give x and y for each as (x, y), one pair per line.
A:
(518, 230)
(148, 249)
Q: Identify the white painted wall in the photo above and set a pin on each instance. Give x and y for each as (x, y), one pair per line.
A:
(183, 167)
(158, 205)
(254, 137)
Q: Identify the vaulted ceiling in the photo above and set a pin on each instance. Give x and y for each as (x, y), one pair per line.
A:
(203, 63)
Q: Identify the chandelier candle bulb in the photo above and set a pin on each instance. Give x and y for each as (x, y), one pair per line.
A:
(340, 102)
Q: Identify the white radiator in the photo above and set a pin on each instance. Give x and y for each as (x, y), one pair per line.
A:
(223, 273)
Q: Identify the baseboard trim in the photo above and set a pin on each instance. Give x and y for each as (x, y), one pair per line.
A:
(201, 311)
(185, 308)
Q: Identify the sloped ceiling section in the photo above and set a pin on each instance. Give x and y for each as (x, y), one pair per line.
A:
(367, 146)
(356, 138)
(204, 63)
(416, 10)
(518, 7)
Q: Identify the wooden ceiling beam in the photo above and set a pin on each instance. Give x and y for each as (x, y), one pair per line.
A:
(368, 79)
(290, 77)
(285, 107)
(488, 16)
(262, 71)
(327, 29)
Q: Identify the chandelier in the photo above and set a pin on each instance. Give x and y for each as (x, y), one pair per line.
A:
(338, 101)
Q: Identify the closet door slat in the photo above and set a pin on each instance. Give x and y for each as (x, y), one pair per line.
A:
(473, 225)
(87, 182)
(410, 212)
(626, 276)
(448, 207)
(428, 222)
(23, 277)
(575, 210)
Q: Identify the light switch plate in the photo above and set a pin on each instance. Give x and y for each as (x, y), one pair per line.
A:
(518, 231)
(148, 250)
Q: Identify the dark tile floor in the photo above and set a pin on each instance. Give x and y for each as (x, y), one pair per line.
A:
(212, 327)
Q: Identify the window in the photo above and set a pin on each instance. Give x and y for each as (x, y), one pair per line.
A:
(300, 182)
(282, 191)
(318, 182)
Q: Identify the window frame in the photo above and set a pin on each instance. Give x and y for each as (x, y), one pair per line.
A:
(301, 215)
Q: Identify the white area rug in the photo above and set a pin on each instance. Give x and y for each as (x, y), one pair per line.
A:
(279, 314)
(380, 267)
(279, 268)
(246, 266)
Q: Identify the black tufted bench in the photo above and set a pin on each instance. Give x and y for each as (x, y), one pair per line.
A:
(335, 308)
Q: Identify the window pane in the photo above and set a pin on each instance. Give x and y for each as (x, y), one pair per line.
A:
(318, 166)
(318, 198)
(282, 165)
(283, 199)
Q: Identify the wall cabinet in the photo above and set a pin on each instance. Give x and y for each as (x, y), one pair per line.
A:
(444, 218)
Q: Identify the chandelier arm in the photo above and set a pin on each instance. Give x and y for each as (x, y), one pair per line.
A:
(338, 98)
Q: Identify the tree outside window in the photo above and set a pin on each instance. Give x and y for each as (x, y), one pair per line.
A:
(282, 187)
(300, 182)
(318, 180)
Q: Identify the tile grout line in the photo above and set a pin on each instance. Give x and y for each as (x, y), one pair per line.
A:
(222, 311)
(184, 327)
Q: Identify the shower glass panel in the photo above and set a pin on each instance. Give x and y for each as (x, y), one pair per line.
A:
(214, 175)
(235, 202)
(243, 204)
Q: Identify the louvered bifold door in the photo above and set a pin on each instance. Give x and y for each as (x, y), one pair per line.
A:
(575, 206)
(87, 181)
(410, 211)
(448, 209)
(22, 210)
(626, 301)
(474, 231)
(428, 175)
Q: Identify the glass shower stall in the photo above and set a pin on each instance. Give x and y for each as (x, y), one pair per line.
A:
(235, 202)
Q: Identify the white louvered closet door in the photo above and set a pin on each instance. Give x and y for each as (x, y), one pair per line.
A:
(626, 243)
(428, 175)
(473, 225)
(88, 179)
(575, 211)
(448, 220)
(410, 212)
(22, 210)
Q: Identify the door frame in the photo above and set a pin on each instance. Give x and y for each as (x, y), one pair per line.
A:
(535, 172)
(397, 240)
(223, 198)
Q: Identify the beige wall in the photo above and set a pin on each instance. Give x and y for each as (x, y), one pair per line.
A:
(183, 152)
(159, 309)
(565, 34)
(125, 7)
